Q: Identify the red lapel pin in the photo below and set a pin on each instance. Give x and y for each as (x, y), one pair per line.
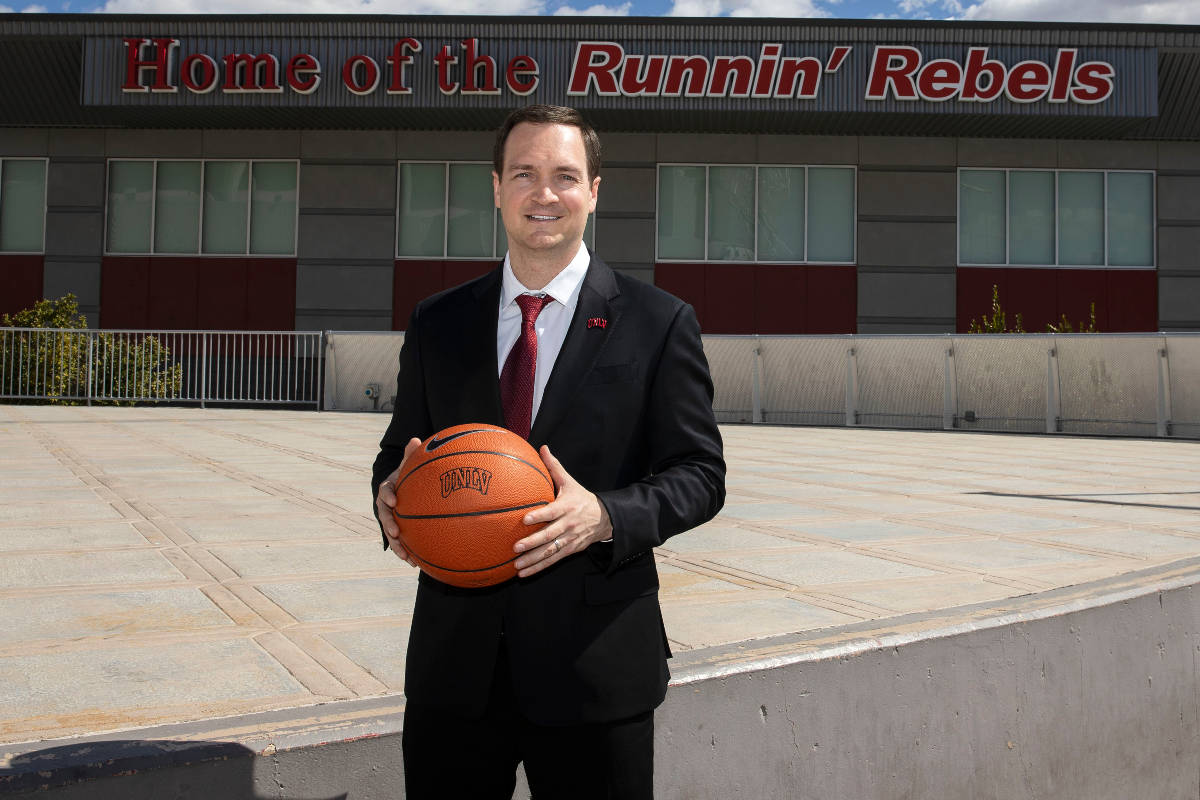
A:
(597, 322)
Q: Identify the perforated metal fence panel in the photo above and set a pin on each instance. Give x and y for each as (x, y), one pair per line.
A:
(1000, 383)
(1108, 384)
(1183, 365)
(360, 370)
(901, 380)
(732, 360)
(804, 379)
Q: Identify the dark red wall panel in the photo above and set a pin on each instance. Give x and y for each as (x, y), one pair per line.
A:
(780, 298)
(124, 292)
(1126, 300)
(731, 289)
(21, 276)
(271, 294)
(831, 302)
(1132, 300)
(198, 292)
(685, 281)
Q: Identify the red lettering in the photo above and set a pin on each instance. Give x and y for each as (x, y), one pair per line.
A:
(135, 64)
(977, 67)
(444, 60)
(586, 69)
(1028, 82)
(370, 74)
(1094, 82)
(939, 80)
(768, 57)
(696, 69)
(472, 65)
(208, 73)
(810, 70)
(1064, 66)
(397, 61)
(250, 67)
(517, 67)
(837, 57)
(893, 66)
(303, 73)
(742, 70)
(636, 80)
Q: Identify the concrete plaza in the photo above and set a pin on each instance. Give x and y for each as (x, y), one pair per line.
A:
(166, 565)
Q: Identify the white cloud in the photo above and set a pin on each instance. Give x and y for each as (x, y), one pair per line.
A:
(598, 10)
(1175, 12)
(747, 8)
(509, 7)
(25, 10)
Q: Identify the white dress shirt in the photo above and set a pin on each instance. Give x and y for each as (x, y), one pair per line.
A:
(551, 324)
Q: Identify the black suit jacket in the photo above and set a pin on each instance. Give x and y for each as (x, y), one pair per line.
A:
(628, 412)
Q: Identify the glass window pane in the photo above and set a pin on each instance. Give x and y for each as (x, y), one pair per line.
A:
(273, 208)
(781, 213)
(831, 211)
(177, 207)
(731, 213)
(472, 207)
(226, 189)
(130, 185)
(981, 216)
(22, 205)
(681, 213)
(421, 226)
(1031, 217)
(1131, 219)
(1081, 218)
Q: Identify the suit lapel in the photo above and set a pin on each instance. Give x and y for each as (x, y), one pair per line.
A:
(581, 347)
(473, 354)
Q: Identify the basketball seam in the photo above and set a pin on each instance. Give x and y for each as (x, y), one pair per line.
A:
(452, 569)
(400, 482)
(469, 513)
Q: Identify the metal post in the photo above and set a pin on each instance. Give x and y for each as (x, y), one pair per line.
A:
(1163, 428)
(851, 387)
(322, 360)
(203, 368)
(756, 415)
(950, 397)
(91, 358)
(1053, 400)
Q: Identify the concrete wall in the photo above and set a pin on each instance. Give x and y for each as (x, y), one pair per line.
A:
(1084, 693)
(907, 187)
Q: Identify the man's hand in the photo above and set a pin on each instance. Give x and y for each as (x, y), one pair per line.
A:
(385, 502)
(576, 519)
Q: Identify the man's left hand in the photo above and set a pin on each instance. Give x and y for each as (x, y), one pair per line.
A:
(575, 519)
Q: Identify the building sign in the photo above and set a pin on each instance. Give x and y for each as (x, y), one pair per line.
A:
(407, 71)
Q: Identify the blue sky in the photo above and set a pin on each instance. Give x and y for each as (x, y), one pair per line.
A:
(1179, 12)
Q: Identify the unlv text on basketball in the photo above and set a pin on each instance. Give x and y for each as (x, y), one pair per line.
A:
(465, 478)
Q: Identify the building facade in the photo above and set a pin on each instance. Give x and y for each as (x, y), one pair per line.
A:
(783, 176)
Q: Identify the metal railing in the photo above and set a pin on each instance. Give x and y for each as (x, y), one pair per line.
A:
(233, 367)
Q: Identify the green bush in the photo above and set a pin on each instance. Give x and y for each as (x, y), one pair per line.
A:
(998, 322)
(52, 362)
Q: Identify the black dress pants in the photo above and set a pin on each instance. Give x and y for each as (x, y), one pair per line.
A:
(476, 759)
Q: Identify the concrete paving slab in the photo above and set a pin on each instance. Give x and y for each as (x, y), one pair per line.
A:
(82, 506)
(242, 541)
(322, 601)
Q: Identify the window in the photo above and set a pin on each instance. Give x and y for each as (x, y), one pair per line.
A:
(201, 207)
(446, 210)
(789, 214)
(22, 205)
(1052, 218)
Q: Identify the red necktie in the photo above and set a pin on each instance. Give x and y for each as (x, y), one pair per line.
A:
(516, 379)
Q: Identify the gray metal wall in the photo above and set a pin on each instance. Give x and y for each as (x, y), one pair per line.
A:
(906, 207)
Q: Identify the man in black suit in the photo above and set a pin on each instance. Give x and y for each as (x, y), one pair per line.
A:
(562, 667)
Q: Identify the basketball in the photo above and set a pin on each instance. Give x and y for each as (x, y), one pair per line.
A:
(460, 499)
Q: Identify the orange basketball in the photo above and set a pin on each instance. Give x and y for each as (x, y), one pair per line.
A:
(460, 499)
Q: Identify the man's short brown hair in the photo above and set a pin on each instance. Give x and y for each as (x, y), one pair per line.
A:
(549, 115)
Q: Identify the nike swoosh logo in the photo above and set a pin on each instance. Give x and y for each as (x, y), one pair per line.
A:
(435, 442)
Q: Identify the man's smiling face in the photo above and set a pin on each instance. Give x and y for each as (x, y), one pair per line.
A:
(545, 194)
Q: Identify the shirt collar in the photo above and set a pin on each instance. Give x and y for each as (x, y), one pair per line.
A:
(563, 287)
